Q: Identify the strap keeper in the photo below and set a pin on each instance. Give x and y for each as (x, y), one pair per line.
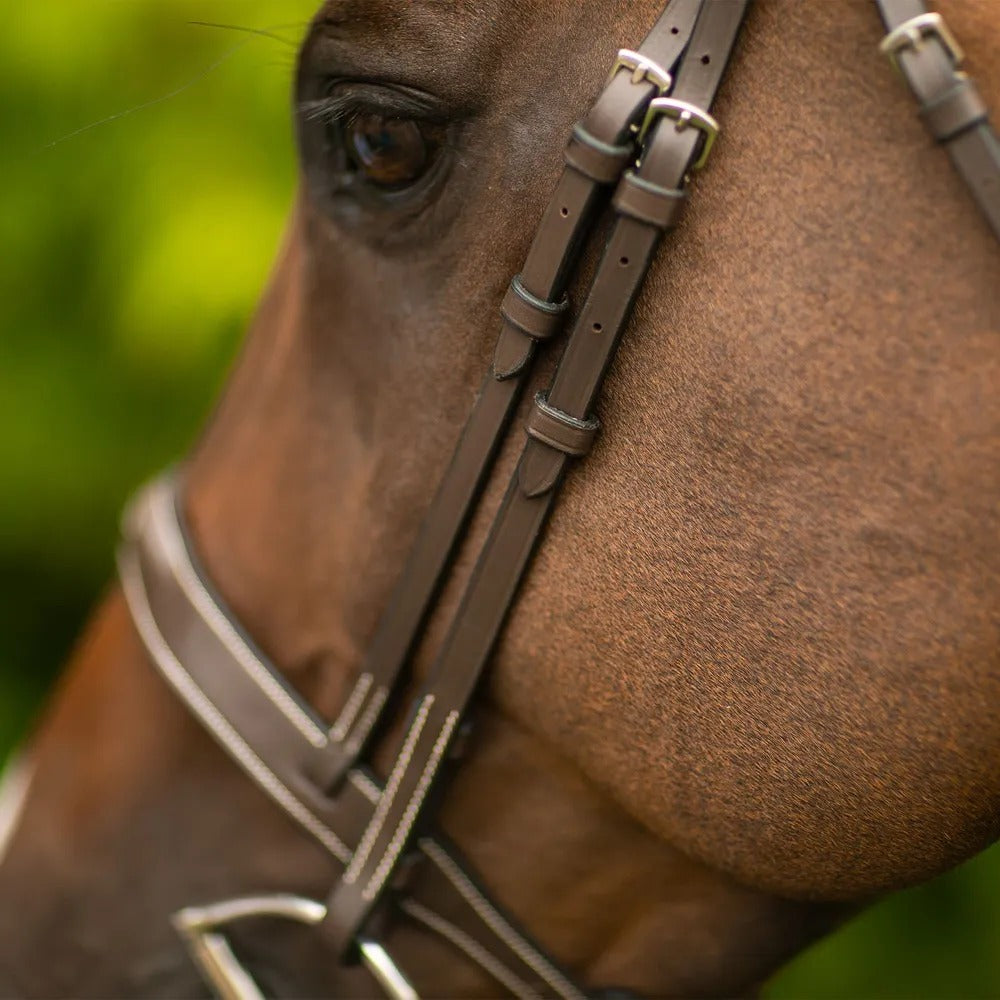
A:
(958, 110)
(538, 318)
(601, 161)
(647, 202)
(560, 430)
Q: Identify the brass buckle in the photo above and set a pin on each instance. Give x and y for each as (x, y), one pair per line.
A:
(683, 115)
(642, 69)
(212, 954)
(913, 34)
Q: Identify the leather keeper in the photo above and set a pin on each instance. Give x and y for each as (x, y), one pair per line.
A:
(960, 109)
(600, 161)
(536, 317)
(646, 202)
(560, 430)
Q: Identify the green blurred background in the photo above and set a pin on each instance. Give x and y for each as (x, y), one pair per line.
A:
(132, 255)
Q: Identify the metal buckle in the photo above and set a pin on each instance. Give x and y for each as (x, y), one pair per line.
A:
(199, 927)
(912, 34)
(684, 114)
(642, 69)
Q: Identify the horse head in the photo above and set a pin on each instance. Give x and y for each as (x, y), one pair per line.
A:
(749, 683)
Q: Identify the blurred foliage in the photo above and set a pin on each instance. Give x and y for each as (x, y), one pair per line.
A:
(132, 255)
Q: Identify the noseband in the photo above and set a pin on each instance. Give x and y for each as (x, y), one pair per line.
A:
(648, 132)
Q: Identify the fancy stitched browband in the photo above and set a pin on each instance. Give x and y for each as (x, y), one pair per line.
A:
(649, 130)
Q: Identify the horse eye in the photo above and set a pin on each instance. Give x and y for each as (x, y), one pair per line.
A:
(390, 153)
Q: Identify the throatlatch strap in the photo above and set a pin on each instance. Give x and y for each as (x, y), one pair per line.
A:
(923, 49)
(678, 131)
(599, 149)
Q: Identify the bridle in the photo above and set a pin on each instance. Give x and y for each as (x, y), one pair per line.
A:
(648, 132)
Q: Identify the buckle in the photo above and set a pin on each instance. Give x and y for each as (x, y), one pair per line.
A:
(385, 971)
(684, 115)
(642, 69)
(212, 954)
(913, 34)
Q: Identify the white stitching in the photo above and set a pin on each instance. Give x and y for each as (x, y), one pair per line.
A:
(503, 930)
(185, 686)
(470, 946)
(354, 702)
(164, 518)
(365, 785)
(381, 873)
(353, 745)
(392, 786)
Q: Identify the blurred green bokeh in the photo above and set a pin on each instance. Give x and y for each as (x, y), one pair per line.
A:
(132, 255)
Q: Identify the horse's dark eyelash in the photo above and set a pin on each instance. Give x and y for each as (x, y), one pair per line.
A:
(341, 108)
(330, 109)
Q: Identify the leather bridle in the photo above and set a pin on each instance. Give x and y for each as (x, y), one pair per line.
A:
(647, 133)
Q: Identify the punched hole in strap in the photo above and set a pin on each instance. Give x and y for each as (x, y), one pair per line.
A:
(560, 430)
(538, 318)
(600, 161)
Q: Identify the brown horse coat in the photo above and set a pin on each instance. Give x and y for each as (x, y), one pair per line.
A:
(752, 679)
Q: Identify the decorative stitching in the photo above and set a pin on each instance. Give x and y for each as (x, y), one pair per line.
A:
(381, 873)
(470, 946)
(365, 785)
(186, 687)
(354, 702)
(391, 787)
(165, 525)
(496, 923)
(353, 745)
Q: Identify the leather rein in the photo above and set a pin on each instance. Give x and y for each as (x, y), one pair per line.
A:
(647, 133)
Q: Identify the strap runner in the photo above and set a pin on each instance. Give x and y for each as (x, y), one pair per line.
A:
(600, 147)
(928, 57)
(672, 148)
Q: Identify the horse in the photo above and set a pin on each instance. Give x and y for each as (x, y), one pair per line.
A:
(750, 683)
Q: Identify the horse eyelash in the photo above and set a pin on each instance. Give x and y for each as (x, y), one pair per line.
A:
(342, 109)
(330, 109)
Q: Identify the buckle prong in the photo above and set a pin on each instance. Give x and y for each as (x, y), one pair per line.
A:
(914, 33)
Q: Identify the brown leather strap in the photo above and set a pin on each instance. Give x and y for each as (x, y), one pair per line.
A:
(928, 57)
(538, 318)
(532, 310)
(559, 430)
(672, 149)
(241, 699)
(648, 202)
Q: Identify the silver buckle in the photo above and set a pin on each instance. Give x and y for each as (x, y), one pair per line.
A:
(210, 950)
(684, 115)
(642, 69)
(913, 34)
